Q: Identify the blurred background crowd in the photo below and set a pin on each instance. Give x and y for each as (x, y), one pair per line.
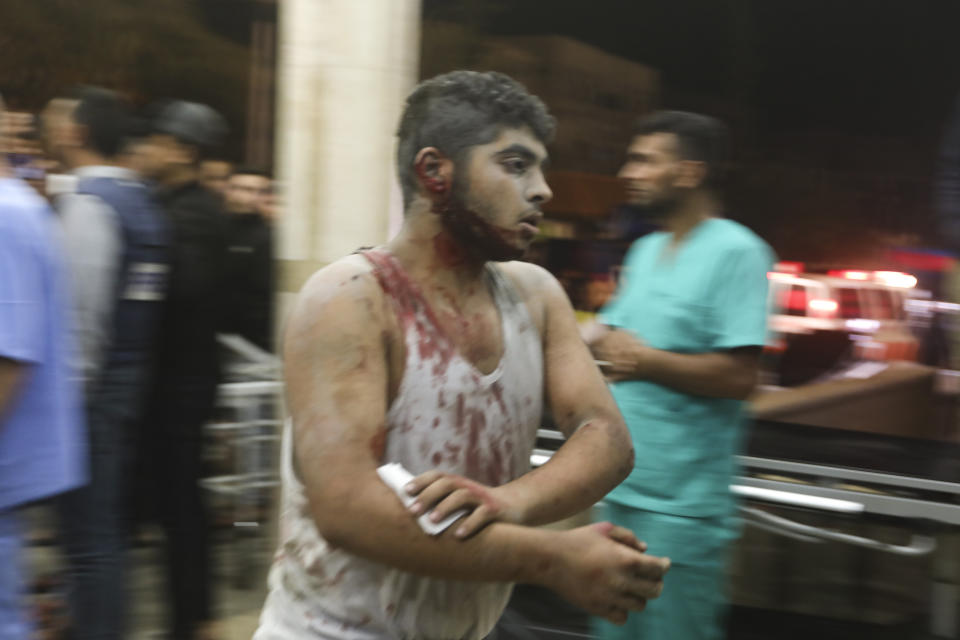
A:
(203, 157)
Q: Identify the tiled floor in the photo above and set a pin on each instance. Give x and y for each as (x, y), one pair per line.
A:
(238, 605)
(238, 608)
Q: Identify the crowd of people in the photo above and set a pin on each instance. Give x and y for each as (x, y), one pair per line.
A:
(120, 267)
(438, 351)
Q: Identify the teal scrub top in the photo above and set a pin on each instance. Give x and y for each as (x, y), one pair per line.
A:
(707, 294)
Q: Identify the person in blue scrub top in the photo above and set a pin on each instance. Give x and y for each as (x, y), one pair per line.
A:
(42, 441)
(681, 343)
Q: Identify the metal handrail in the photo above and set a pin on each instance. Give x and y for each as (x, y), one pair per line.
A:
(919, 546)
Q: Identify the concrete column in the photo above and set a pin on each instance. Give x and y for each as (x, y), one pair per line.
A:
(345, 67)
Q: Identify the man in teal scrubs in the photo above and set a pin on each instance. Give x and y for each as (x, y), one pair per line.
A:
(682, 340)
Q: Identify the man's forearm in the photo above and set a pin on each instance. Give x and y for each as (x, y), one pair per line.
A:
(715, 375)
(369, 520)
(596, 458)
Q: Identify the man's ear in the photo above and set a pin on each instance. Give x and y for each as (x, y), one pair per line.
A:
(75, 134)
(434, 171)
(693, 173)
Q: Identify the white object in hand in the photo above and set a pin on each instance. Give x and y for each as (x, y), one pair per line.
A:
(396, 477)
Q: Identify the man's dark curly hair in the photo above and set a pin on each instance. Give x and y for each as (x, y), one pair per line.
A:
(106, 117)
(462, 109)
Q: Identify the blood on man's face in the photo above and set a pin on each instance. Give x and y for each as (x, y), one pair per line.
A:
(493, 207)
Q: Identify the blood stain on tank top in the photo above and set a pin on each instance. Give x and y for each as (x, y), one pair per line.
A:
(435, 347)
(497, 389)
(453, 452)
(477, 423)
(459, 415)
(495, 469)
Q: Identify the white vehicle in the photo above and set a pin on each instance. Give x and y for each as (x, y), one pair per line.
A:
(819, 320)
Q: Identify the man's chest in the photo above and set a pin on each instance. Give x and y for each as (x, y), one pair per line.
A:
(441, 334)
(673, 307)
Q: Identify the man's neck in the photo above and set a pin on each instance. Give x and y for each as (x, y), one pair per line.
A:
(699, 206)
(178, 176)
(80, 158)
(432, 256)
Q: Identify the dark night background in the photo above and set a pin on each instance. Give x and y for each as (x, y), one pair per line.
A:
(837, 106)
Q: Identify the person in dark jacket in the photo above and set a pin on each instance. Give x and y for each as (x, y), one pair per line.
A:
(249, 257)
(188, 368)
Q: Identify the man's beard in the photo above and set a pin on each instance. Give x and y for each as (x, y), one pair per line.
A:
(656, 210)
(475, 235)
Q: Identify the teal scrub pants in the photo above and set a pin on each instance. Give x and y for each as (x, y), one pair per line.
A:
(694, 602)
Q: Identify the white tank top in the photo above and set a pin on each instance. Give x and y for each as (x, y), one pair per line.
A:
(449, 416)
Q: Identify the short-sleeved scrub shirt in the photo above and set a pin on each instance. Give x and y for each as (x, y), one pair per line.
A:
(707, 294)
(42, 442)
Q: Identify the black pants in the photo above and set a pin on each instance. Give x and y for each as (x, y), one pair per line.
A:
(171, 468)
(94, 521)
(183, 516)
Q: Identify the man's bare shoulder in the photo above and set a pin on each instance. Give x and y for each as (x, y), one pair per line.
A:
(532, 281)
(539, 290)
(341, 294)
(347, 277)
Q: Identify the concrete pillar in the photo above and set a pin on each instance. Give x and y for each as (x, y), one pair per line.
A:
(345, 67)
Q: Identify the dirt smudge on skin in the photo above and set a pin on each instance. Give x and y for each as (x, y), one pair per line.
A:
(378, 443)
